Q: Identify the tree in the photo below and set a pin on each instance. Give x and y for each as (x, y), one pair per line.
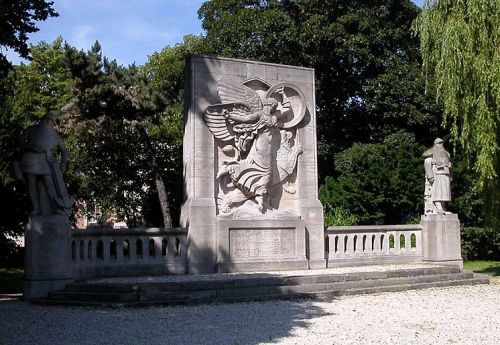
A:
(460, 48)
(365, 59)
(165, 75)
(376, 183)
(111, 114)
(17, 20)
(46, 83)
(29, 91)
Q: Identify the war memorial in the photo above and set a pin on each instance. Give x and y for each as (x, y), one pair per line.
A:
(251, 211)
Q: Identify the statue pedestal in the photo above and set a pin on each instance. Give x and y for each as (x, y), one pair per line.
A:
(441, 239)
(48, 255)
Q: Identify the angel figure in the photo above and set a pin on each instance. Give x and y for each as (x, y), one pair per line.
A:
(252, 123)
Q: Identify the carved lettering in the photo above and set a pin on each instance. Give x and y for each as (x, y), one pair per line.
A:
(262, 243)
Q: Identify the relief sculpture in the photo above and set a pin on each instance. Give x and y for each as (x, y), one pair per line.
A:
(257, 129)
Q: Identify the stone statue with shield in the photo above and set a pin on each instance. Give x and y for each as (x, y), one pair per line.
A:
(42, 170)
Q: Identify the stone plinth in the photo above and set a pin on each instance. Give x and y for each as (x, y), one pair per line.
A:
(48, 255)
(441, 239)
(261, 245)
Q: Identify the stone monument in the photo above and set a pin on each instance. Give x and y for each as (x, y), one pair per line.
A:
(250, 167)
(441, 229)
(47, 264)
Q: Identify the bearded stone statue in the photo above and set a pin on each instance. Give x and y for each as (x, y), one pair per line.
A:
(437, 166)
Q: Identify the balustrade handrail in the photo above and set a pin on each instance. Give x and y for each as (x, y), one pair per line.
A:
(101, 231)
(374, 228)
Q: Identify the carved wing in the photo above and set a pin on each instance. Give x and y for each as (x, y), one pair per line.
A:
(221, 127)
(235, 98)
(231, 91)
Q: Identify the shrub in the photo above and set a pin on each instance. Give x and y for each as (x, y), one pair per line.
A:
(480, 243)
(377, 183)
(340, 217)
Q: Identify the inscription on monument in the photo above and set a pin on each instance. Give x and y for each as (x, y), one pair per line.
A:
(262, 243)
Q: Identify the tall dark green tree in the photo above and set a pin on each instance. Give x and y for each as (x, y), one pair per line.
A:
(366, 61)
(17, 20)
(376, 183)
(115, 105)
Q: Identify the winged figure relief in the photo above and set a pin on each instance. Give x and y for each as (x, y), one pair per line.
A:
(250, 125)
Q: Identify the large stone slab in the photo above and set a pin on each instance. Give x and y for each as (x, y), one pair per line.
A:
(249, 154)
(261, 245)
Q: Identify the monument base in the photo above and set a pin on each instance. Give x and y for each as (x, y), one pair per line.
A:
(261, 245)
(315, 264)
(48, 255)
(199, 215)
(441, 239)
(40, 288)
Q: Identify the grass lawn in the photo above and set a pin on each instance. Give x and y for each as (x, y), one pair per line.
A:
(11, 280)
(491, 268)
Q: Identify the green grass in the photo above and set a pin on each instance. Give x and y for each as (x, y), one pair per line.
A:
(11, 280)
(491, 268)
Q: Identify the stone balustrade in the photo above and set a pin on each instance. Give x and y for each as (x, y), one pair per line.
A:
(374, 244)
(98, 252)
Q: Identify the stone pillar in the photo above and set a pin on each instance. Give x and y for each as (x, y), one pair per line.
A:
(198, 212)
(441, 239)
(48, 255)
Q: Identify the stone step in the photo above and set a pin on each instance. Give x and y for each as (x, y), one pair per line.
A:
(246, 281)
(225, 294)
(298, 289)
(322, 295)
(99, 297)
(400, 287)
(104, 288)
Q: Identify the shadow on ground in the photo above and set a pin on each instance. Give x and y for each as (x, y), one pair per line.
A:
(243, 323)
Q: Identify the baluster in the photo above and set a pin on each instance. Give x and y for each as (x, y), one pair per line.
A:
(171, 248)
(158, 256)
(119, 249)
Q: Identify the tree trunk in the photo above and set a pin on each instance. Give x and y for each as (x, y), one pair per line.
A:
(164, 204)
(160, 185)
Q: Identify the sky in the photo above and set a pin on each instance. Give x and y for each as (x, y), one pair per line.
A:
(128, 30)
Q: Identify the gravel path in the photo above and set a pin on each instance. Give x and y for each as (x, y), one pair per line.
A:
(455, 315)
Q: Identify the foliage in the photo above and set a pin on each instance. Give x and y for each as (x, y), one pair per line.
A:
(124, 141)
(43, 84)
(378, 183)
(17, 20)
(459, 42)
(480, 243)
(366, 63)
(28, 92)
(11, 280)
(339, 216)
(467, 201)
(165, 70)
(121, 140)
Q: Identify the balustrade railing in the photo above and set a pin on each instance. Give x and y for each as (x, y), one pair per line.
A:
(374, 244)
(98, 252)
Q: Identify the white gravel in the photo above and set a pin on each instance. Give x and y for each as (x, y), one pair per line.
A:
(455, 315)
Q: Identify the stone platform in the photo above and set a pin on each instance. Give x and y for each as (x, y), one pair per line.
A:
(244, 287)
